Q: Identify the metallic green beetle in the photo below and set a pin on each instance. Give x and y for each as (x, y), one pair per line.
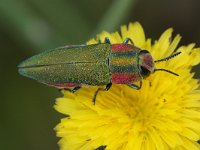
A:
(95, 65)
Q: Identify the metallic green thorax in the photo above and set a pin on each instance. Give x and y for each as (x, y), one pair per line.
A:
(74, 64)
(124, 62)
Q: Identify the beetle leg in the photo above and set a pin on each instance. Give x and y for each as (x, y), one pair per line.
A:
(127, 40)
(107, 40)
(101, 89)
(135, 86)
(73, 90)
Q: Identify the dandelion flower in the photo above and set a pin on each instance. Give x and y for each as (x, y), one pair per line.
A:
(164, 114)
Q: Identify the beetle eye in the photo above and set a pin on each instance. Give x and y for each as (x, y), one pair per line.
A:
(144, 71)
(143, 52)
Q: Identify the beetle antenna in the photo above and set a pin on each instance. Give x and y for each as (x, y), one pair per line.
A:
(167, 58)
(166, 71)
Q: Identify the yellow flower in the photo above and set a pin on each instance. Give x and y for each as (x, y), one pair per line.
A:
(163, 115)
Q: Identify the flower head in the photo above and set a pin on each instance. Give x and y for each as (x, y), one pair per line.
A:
(164, 114)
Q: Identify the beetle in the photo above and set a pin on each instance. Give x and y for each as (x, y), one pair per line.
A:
(71, 67)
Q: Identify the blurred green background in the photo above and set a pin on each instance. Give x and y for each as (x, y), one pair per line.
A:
(31, 26)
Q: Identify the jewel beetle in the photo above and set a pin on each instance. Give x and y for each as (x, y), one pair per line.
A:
(71, 67)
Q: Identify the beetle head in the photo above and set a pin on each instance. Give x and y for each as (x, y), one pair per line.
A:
(147, 64)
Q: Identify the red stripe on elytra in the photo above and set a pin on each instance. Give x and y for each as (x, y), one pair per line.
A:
(62, 85)
(122, 47)
(123, 78)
